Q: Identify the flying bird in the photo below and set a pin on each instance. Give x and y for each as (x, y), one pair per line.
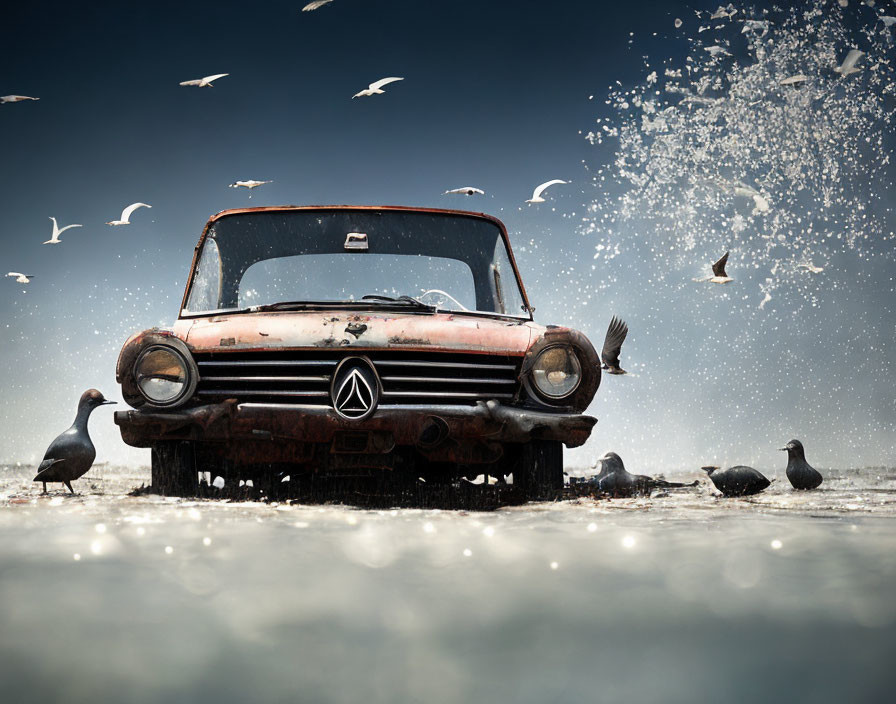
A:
(466, 190)
(202, 82)
(21, 278)
(376, 87)
(54, 239)
(248, 184)
(317, 4)
(810, 267)
(848, 66)
(126, 214)
(15, 98)
(616, 334)
(719, 276)
(72, 453)
(536, 194)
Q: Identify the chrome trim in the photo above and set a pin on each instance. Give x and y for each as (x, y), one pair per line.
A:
(446, 380)
(247, 392)
(323, 378)
(270, 363)
(452, 365)
(441, 394)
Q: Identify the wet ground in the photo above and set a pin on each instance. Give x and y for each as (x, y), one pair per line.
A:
(678, 598)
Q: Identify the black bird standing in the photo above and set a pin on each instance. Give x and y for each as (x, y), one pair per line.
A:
(800, 473)
(71, 454)
(737, 481)
(616, 334)
(615, 480)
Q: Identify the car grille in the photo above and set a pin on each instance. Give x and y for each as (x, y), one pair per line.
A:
(408, 378)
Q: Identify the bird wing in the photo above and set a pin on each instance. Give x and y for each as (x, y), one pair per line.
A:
(718, 269)
(315, 5)
(616, 334)
(209, 79)
(44, 467)
(543, 187)
(194, 82)
(851, 59)
(126, 213)
(67, 227)
(382, 82)
(14, 273)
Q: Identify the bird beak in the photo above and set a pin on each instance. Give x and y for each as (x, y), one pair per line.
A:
(782, 449)
(108, 403)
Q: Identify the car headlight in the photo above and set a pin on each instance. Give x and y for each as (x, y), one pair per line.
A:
(162, 375)
(556, 372)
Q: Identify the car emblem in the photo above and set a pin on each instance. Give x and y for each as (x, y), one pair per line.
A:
(355, 390)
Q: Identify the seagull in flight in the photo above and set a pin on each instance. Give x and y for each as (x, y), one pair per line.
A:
(54, 239)
(311, 6)
(616, 334)
(810, 267)
(126, 214)
(15, 98)
(376, 87)
(718, 271)
(248, 184)
(466, 190)
(202, 82)
(848, 66)
(21, 278)
(536, 194)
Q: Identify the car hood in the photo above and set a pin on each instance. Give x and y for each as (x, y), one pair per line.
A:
(365, 330)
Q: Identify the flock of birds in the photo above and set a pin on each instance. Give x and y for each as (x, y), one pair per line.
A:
(615, 481)
(124, 219)
(375, 88)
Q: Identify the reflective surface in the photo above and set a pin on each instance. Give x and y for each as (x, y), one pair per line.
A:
(161, 374)
(679, 598)
(288, 255)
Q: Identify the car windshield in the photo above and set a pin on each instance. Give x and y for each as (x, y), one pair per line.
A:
(294, 259)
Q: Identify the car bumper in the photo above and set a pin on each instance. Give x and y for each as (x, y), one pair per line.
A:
(422, 426)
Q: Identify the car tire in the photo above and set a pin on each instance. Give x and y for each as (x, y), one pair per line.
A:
(174, 470)
(541, 470)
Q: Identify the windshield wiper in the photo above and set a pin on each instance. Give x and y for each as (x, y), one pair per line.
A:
(293, 305)
(401, 300)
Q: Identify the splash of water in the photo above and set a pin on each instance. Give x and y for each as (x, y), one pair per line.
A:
(756, 144)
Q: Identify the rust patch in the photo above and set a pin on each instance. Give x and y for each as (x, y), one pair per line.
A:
(356, 329)
(332, 342)
(227, 341)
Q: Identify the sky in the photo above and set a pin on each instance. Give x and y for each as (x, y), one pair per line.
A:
(497, 95)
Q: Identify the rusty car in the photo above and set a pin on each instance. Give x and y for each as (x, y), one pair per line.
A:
(362, 340)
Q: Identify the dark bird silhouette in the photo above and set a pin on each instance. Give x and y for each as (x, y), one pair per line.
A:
(616, 334)
(800, 473)
(718, 271)
(737, 481)
(71, 454)
(615, 480)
